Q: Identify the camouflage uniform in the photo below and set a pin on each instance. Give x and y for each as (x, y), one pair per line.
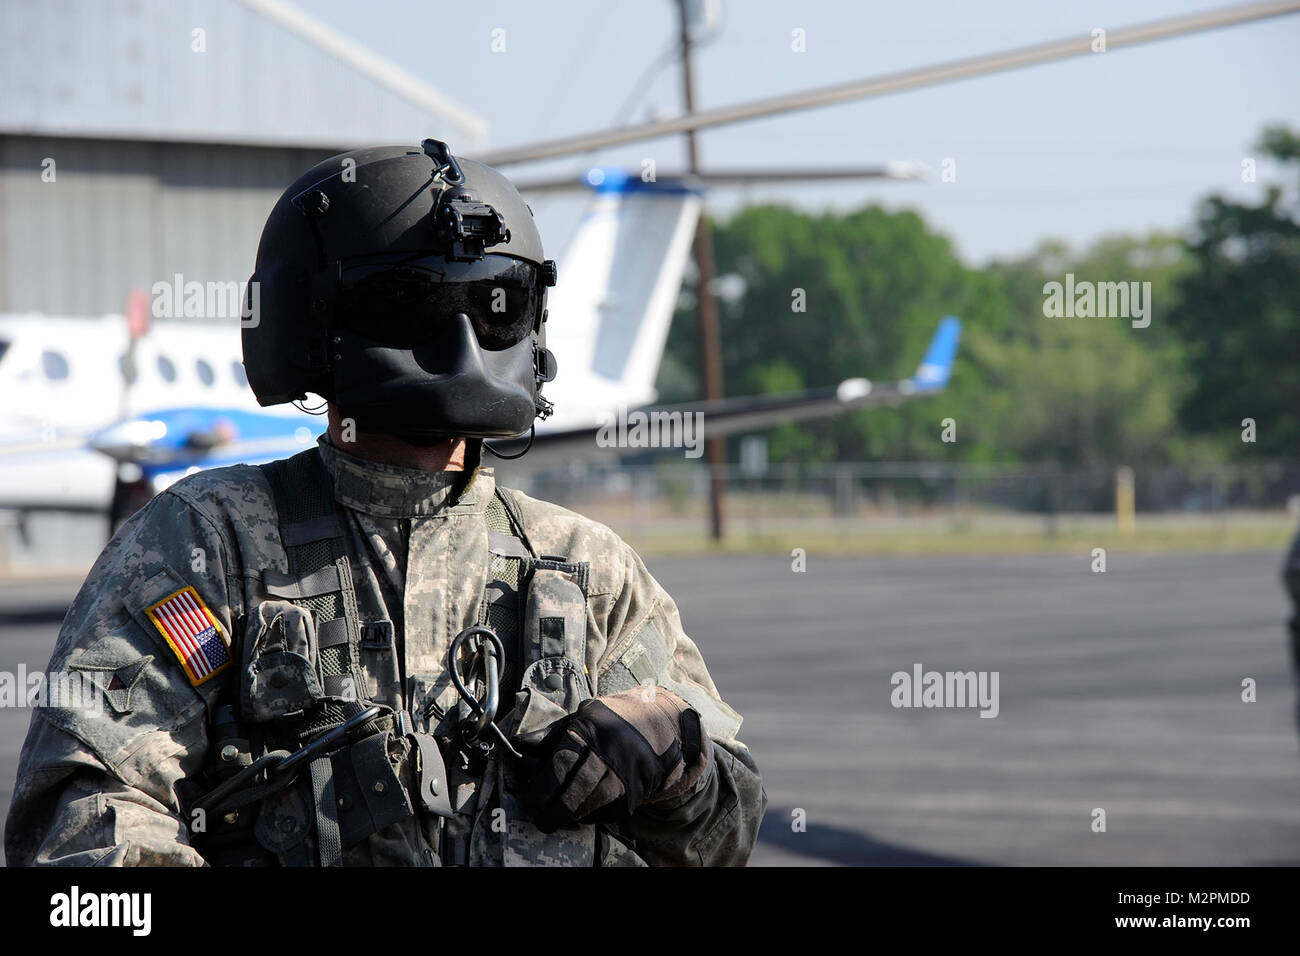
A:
(115, 789)
(1291, 581)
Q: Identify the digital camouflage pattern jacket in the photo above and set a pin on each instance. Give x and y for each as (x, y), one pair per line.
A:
(424, 552)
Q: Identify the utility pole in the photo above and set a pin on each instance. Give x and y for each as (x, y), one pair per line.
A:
(709, 335)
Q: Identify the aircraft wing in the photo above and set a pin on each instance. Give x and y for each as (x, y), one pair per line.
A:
(166, 445)
(729, 416)
(54, 472)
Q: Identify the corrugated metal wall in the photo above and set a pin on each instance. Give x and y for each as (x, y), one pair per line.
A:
(121, 215)
(128, 69)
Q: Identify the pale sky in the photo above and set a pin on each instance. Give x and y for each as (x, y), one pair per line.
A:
(1125, 141)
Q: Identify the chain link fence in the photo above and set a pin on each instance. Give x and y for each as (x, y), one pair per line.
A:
(784, 497)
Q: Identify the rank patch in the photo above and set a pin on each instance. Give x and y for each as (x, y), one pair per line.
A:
(116, 681)
(193, 634)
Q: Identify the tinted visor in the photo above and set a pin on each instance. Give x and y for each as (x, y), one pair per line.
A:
(407, 301)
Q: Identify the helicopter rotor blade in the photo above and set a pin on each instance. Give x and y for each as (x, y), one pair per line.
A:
(741, 177)
(893, 82)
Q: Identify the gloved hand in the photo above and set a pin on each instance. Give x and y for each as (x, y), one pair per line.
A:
(614, 754)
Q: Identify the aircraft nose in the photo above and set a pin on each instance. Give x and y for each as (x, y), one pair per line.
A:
(128, 440)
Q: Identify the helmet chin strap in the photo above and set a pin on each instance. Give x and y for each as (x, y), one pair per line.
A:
(532, 436)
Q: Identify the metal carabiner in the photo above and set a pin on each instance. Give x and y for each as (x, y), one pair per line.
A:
(491, 652)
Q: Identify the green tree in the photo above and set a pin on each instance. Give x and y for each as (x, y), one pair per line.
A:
(1082, 391)
(829, 297)
(1238, 315)
(1025, 386)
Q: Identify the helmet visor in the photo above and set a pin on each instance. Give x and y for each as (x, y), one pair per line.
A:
(408, 301)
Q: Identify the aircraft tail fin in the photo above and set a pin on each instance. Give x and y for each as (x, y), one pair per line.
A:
(619, 281)
(936, 365)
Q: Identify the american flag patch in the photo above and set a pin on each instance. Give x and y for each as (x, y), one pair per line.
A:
(193, 634)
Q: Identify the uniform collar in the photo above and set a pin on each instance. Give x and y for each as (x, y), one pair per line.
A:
(389, 491)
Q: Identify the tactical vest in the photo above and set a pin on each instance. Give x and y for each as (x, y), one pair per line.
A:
(304, 765)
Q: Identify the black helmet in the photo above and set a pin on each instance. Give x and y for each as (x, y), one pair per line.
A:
(408, 287)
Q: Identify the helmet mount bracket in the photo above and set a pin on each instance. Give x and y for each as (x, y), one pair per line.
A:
(466, 227)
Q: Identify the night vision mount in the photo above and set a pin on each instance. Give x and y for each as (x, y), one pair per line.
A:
(464, 226)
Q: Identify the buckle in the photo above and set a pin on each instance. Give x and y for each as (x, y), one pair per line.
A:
(433, 786)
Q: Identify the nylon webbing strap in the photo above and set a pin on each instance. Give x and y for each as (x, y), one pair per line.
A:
(329, 841)
(500, 600)
(319, 579)
(506, 545)
(509, 554)
(312, 529)
(294, 587)
(515, 516)
(313, 540)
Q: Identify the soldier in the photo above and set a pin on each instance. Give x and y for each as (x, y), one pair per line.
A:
(370, 653)
(1291, 581)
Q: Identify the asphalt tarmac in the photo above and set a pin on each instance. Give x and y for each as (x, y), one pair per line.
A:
(1118, 692)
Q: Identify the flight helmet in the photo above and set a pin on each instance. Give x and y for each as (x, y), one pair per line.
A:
(408, 287)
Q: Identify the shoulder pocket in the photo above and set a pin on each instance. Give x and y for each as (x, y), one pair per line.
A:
(141, 682)
(646, 661)
(187, 630)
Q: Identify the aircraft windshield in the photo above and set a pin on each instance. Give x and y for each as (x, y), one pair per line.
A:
(4, 347)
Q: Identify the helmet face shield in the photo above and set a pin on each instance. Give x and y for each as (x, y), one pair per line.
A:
(408, 301)
(450, 387)
(428, 347)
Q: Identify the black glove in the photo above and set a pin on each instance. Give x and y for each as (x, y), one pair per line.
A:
(614, 754)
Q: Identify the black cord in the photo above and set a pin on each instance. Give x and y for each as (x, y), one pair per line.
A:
(318, 410)
(532, 436)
